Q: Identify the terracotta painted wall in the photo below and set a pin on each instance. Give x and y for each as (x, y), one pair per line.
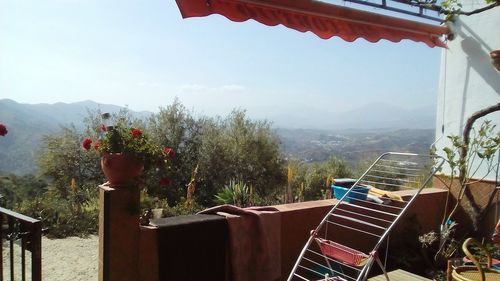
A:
(300, 218)
(481, 191)
(297, 220)
(148, 254)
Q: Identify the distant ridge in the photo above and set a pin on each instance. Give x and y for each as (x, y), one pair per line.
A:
(28, 123)
(62, 113)
(367, 117)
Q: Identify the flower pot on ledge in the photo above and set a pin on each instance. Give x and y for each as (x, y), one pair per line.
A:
(495, 59)
(121, 168)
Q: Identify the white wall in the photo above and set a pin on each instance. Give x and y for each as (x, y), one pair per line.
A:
(468, 81)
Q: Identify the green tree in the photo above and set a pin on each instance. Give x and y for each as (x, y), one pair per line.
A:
(175, 127)
(318, 174)
(63, 161)
(15, 189)
(237, 147)
(221, 148)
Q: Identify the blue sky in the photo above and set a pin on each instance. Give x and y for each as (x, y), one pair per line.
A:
(143, 54)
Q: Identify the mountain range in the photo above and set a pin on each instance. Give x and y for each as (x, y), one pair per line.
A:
(366, 117)
(28, 123)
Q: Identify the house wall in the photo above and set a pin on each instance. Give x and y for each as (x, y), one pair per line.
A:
(468, 81)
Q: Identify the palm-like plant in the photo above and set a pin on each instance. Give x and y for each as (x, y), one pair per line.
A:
(236, 193)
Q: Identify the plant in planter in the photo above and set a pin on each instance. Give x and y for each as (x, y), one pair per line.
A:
(126, 152)
(464, 157)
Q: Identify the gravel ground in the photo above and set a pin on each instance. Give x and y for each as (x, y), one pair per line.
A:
(69, 259)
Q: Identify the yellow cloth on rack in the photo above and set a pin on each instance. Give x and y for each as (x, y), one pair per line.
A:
(383, 193)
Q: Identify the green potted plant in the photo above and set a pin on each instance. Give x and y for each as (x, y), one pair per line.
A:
(126, 152)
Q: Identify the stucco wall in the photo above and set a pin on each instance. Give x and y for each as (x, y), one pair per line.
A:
(189, 243)
(468, 81)
(481, 192)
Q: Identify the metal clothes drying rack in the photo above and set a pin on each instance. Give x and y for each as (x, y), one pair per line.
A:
(329, 253)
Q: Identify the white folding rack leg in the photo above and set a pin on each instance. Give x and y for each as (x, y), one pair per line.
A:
(379, 262)
(364, 274)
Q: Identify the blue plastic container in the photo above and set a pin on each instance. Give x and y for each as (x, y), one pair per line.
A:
(358, 192)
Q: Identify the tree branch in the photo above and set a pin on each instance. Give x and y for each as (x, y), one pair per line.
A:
(441, 10)
(480, 10)
(463, 155)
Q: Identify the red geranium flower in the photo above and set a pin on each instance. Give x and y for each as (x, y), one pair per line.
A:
(169, 152)
(87, 143)
(164, 181)
(136, 132)
(97, 145)
(3, 130)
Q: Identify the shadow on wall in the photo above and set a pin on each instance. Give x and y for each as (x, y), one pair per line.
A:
(479, 59)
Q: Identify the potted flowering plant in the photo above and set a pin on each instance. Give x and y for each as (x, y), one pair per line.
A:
(126, 152)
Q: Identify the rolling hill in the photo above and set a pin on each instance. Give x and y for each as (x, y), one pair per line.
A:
(28, 123)
(373, 129)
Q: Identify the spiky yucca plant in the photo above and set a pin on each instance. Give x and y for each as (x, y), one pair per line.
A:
(236, 193)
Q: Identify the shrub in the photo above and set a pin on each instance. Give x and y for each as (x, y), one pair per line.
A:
(236, 193)
(78, 216)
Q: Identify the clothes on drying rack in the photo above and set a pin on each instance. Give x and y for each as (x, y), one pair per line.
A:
(383, 193)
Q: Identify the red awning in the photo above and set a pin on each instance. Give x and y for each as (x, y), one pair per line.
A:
(323, 19)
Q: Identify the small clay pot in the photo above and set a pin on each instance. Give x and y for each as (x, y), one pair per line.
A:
(495, 59)
(120, 168)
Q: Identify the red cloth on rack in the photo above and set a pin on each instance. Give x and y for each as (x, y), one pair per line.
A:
(254, 242)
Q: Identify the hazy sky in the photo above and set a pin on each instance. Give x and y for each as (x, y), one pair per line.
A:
(143, 54)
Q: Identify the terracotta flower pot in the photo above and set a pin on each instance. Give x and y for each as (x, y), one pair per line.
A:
(495, 59)
(120, 168)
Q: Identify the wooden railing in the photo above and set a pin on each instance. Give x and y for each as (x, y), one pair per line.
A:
(26, 232)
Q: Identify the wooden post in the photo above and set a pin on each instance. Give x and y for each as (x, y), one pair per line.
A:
(118, 233)
(449, 269)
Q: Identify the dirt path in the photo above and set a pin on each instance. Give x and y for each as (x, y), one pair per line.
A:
(69, 259)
